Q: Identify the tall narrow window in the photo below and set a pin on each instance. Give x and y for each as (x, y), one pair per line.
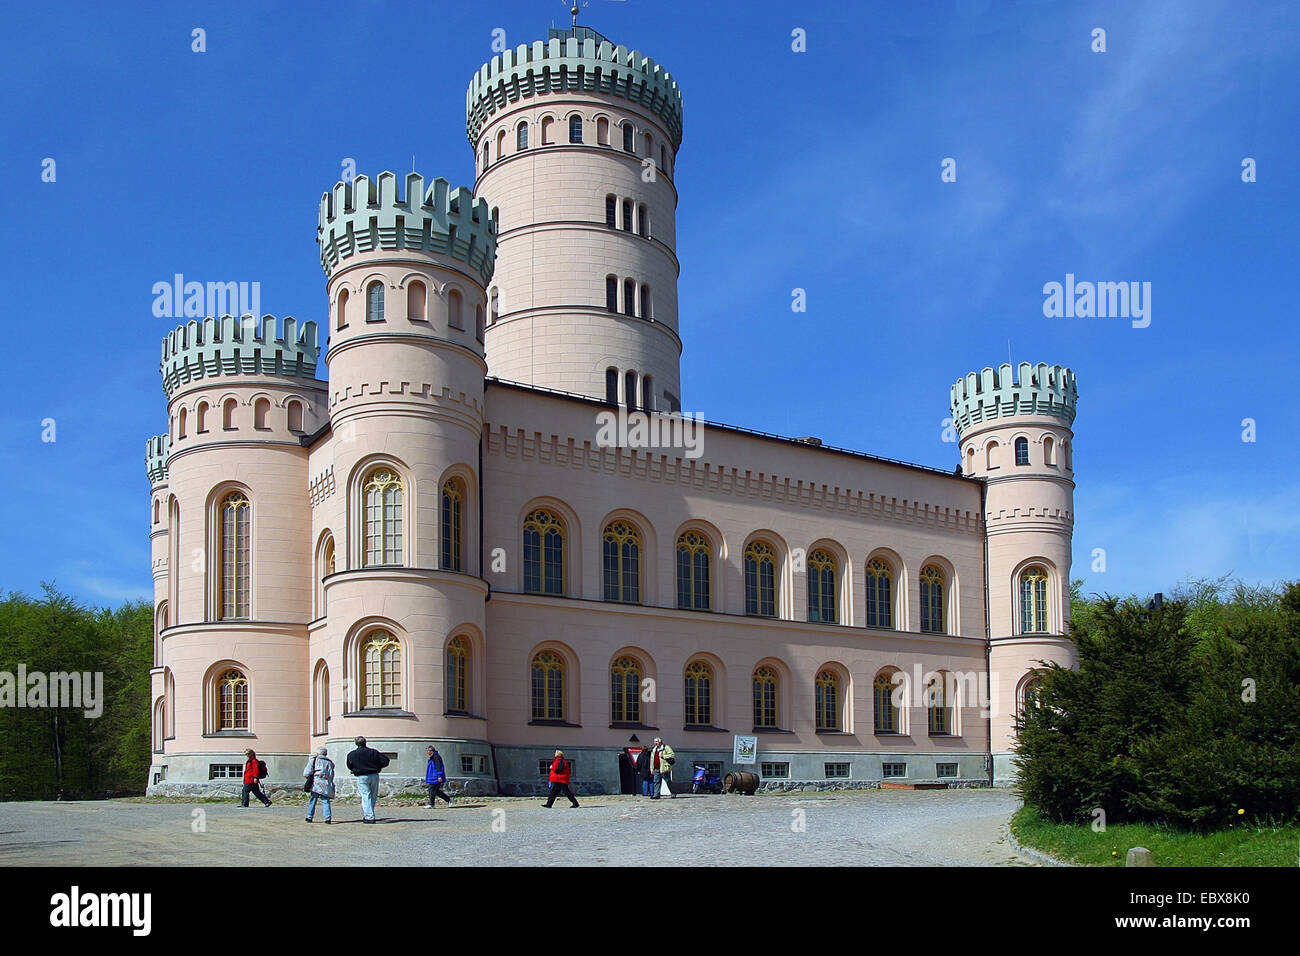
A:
(627, 215)
(765, 698)
(496, 304)
(611, 210)
(625, 691)
(1030, 695)
(647, 393)
(627, 137)
(663, 157)
(611, 293)
(486, 158)
(760, 580)
(455, 309)
(417, 298)
(629, 297)
(611, 386)
(383, 517)
(629, 389)
(575, 128)
(375, 302)
(1022, 451)
(991, 455)
(479, 330)
(521, 136)
(1049, 452)
(821, 587)
(827, 700)
(452, 508)
(326, 569)
(602, 132)
(937, 704)
(228, 414)
(880, 594)
(883, 699)
(622, 562)
(1033, 600)
(543, 553)
(295, 416)
(381, 661)
(548, 137)
(458, 675)
(643, 220)
(548, 686)
(932, 586)
(342, 309)
(645, 302)
(201, 418)
(322, 699)
(232, 701)
(235, 553)
(262, 414)
(182, 420)
(699, 694)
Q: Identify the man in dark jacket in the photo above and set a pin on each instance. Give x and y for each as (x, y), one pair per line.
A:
(435, 775)
(252, 774)
(643, 774)
(365, 764)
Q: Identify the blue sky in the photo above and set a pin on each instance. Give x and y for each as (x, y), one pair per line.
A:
(817, 170)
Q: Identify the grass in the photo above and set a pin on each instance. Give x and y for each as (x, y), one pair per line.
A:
(1243, 844)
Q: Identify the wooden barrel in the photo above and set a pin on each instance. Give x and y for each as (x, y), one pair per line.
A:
(740, 781)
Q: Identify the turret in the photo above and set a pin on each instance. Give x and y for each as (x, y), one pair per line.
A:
(575, 142)
(1015, 432)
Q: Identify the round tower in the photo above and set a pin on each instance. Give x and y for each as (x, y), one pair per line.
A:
(575, 143)
(233, 523)
(395, 486)
(155, 457)
(1015, 433)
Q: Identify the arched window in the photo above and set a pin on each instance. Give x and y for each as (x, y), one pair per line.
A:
(932, 616)
(496, 217)
(760, 580)
(827, 702)
(383, 499)
(643, 221)
(1067, 455)
(649, 145)
(699, 694)
(262, 414)
(232, 701)
(1022, 451)
(622, 562)
(417, 299)
(611, 293)
(880, 594)
(478, 323)
(521, 136)
(495, 299)
(547, 136)
(611, 386)
(543, 553)
(341, 309)
(548, 686)
(970, 460)
(645, 302)
(228, 414)
(235, 583)
(159, 728)
(602, 132)
(766, 687)
(321, 691)
(629, 389)
(327, 567)
(381, 666)
(157, 510)
(455, 309)
(648, 393)
(629, 297)
(625, 691)
(1030, 695)
(627, 137)
(295, 416)
(663, 157)
(453, 498)
(575, 128)
(1033, 600)
(458, 675)
(611, 210)
(627, 215)
(1049, 452)
(821, 587)
(201, 418)
(180, 427)
(501, 144)
(486, 157)
(882, 694)
(938, 706)
(991, 455)
(375, 302)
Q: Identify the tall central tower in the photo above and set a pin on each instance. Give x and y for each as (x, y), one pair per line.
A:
(575, 143)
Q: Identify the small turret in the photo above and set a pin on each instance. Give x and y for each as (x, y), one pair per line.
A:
(238, 347)
(156, 451)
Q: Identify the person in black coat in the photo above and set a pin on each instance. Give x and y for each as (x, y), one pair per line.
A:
(643, 774)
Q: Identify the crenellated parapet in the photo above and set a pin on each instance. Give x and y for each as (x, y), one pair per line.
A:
(1041, 389)
(572, 65)
(231, 346)
(365, 215)
(156, 450)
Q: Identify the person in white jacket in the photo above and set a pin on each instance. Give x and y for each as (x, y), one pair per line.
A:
(320, 772)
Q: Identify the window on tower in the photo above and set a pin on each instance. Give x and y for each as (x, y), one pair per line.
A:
(643, 221)
(645, 302)
(629, 297)
(629, 389)
(1022, 451)
(611, 210)
(375, 302)
(611, 386)
(627, 137)
(627, 215)
(611, 293)
(521, 137)
(575, 128)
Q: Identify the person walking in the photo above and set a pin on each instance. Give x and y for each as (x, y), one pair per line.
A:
(254, 771)
(435, 775)
(320, 772)
(643, 773)
(365, 764)
(559, 780)
(662, 759)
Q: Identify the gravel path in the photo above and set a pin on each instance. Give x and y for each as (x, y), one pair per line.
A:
(873, 827)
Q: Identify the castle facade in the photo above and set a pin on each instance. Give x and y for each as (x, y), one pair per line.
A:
(440, 541)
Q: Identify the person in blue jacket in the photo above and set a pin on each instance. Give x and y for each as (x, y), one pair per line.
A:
(435, 775)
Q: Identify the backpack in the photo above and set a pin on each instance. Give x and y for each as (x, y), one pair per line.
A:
(561, 768)
(261, 769)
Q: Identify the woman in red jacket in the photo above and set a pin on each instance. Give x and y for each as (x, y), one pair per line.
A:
(559, 779)
(252, 774)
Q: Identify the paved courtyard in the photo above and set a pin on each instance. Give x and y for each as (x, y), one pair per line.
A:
(873, 827)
